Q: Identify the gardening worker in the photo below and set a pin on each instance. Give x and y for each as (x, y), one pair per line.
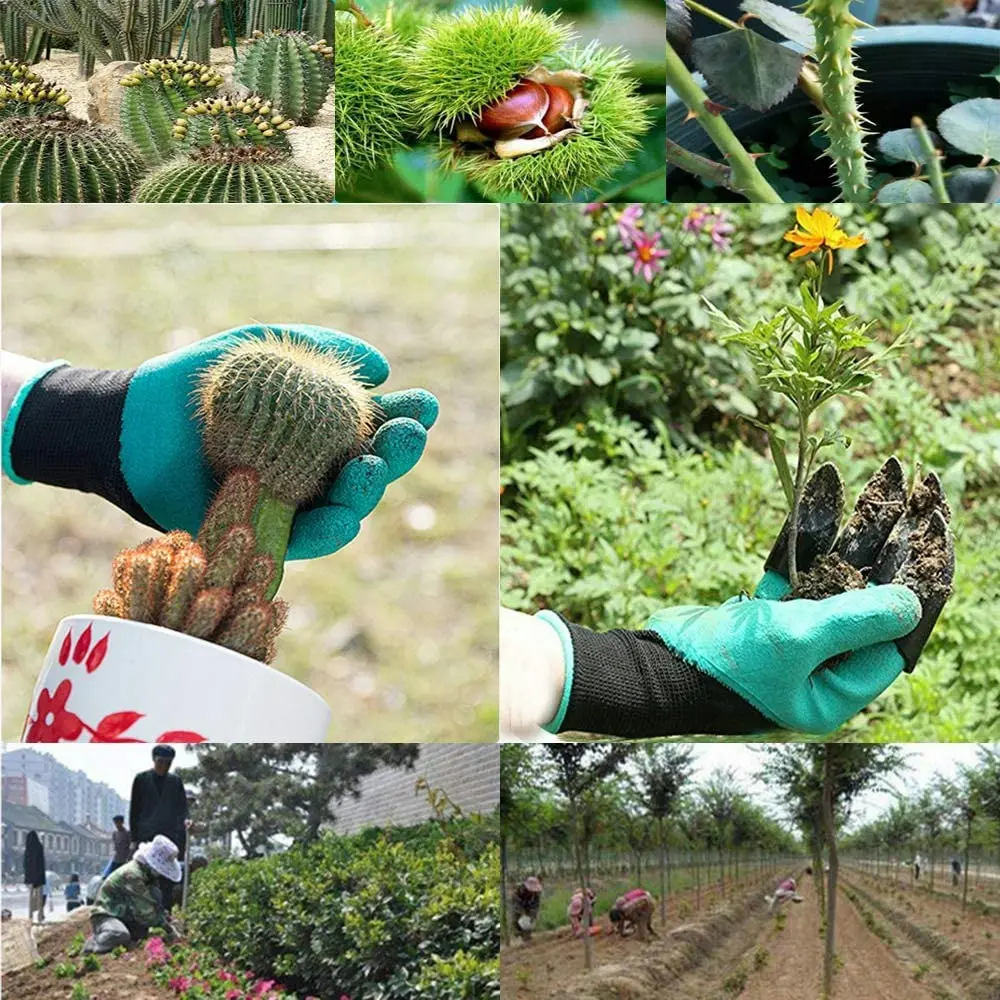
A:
(34, 875)
(72, 893)
(580, 906)
(634, 909)
(786, 890)
(752, 664)
(133, 436)
(159, 805)
(121, 844)
(525, 902)
(129, 902)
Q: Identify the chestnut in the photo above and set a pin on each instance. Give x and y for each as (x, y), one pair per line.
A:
(520, 110)
(558, 115)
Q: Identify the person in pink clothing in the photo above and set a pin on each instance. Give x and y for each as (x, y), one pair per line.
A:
(635, 909)
(786, 890)
(580, 905)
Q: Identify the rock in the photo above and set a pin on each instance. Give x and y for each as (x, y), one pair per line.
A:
(106, 93)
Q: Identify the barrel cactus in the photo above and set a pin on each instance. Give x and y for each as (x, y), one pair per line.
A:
(21, 100)
(292, 69)
(156, 92)
(64, 160)
(227, 174)
(13, 70)
(233, 122)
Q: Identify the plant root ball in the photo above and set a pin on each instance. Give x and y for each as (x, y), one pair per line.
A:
(287, 410)
(830, 575)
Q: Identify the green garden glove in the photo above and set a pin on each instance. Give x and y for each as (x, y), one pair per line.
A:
(133, 437)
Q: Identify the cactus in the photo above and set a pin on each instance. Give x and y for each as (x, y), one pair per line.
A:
(842, 121)
(13, 32)
(210, 587)
(15, 71)
(64, 160)
(156, 92)
(234, 175)
(199, 29)
(22, 100)
(233, 122)
(292, 69)
(291, 412)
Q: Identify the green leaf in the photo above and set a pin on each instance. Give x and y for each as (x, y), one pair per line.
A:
(747, 67)
(903, 144)
(973, 126)
(597, 371)
(967, 184)
(906, 192)
(795, 27)
(777, 446)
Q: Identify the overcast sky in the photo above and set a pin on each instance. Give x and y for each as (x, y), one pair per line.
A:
(114, 764)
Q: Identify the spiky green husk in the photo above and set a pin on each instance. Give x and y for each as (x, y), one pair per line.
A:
(612, 126)
(156, 92)
(21, 99)
(842, 122)
(291, 412)
(13, 70)
(233, 122)
(462, 63)
(229, 175)
(65, 160)
(291, 69)
(372, 100)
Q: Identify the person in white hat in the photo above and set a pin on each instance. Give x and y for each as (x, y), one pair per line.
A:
(129, 902)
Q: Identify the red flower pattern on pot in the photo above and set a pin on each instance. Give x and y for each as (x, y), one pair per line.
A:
(54, 724)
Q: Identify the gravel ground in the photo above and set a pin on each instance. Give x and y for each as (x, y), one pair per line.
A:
(312, 145)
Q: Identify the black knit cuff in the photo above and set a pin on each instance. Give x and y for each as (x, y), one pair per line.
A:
(630, 684)
(68, 434)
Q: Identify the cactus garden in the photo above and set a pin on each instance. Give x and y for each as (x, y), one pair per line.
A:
(166, 100)
(779, 102)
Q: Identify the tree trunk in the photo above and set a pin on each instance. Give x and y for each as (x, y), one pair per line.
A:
(817, 866)
(579, 850)
(503, 889)
(663, 894)
(829, 830)
(968, 837)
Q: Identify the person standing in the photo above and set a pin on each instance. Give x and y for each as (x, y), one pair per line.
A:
(34, 875)
(159, 806)
(72, 893)
(121, 843)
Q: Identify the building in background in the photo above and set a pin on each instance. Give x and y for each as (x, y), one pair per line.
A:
(71, 797)
(68, 847)
(468, 773)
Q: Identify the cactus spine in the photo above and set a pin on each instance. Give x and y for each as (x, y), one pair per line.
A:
(156, 92)
(843, 122)
(246, 122)
(292, 69)
(210, 587)
(291, 412)
(22, 100)
(64, 160)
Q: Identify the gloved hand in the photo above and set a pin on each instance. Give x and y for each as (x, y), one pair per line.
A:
(133, 438)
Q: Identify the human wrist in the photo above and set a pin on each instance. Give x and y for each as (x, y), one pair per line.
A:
(531, 673)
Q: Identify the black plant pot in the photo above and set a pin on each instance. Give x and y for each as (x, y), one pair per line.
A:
(908, 71)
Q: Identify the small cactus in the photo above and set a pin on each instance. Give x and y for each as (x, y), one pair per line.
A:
(235, 122)
(22, 99)
(292, 69)
(13, 71)
(64, 160)
(291, 412)
(220, 174)
(156, 92)
(210, 587)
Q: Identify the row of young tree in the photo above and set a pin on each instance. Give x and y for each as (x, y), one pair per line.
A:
(584, 794)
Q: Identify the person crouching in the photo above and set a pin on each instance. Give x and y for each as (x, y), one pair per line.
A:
(129, 902)
(634, 910)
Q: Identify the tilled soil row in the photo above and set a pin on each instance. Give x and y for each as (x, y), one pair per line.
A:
(980, 978)
(684, 949)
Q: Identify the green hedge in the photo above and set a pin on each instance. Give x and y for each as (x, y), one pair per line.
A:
(396, 916)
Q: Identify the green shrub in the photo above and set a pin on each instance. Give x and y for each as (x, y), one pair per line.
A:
(360, 917)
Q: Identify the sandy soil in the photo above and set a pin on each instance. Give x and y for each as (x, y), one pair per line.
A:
(312, 145)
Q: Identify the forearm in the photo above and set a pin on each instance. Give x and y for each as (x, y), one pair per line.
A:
(15, 371)
(532, 673)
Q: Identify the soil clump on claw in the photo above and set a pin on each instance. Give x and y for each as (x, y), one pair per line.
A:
(830, 575)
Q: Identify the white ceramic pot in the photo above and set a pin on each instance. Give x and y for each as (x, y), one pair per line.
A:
(107, 680)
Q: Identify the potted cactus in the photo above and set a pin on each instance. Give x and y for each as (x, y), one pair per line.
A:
(278, 418)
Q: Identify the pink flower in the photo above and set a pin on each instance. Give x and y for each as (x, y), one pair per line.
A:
(696, 219)
(720, 233)
(234, 995)
(180, 983)
(264, 986)
(156, 951)
(628, 228)
(594, 206)
(646, 255)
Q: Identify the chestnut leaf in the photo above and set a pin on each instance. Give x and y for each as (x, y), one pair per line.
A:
(678, 24)
(905, 192)
(970, 184)
(747, 67)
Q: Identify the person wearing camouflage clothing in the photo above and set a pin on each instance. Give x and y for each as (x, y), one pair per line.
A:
(129, 902)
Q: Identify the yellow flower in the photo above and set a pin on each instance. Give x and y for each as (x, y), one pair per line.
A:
(821, 230)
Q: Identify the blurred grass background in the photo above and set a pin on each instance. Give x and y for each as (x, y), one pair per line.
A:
(398, 631)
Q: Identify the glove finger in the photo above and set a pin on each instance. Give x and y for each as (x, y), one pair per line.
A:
(819, 518)
(322, 531)
(400, 443)
(880, 505)
(772, 587)
(856, 682)
(850, 621)
(417, 404)
(360, 485)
